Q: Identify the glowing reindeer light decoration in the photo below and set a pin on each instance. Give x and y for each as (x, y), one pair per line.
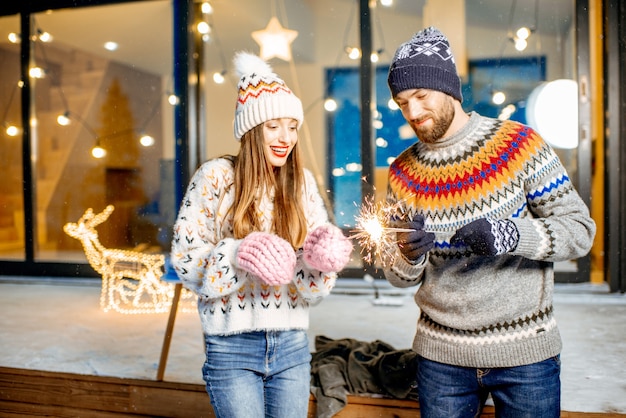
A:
(130, 280)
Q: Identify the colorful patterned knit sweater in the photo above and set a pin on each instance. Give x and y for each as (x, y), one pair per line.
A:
(230, 300)
(480, 311)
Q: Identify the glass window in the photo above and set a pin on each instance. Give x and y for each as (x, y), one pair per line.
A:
(502, 77)
(11, 196)
(102, 125)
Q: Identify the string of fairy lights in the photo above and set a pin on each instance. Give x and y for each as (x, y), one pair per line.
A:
(519, 38)
(67, 116)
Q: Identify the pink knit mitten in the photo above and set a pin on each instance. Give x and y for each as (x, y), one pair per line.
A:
(268, 257)
(327, 249)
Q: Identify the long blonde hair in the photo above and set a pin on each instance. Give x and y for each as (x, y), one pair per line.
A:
(254, 175)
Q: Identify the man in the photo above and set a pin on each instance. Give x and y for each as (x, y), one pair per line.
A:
(491, 208)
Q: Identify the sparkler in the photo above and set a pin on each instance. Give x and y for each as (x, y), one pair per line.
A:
(373, 233)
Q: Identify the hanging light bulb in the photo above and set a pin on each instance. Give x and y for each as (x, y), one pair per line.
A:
(375, 57)
(44, 36)
(339, 171)
(111, 46)
(354, 53)
(203, 27)
(98, 152)
(520, 44)
(523, 33)
(146, 140)
(498, 97)
(173, 99)
(12, 130)
(506, 113)
(64, 119)
(14, 38)
(206, 8)
(218, 77)
(330, 105)
(37, 72)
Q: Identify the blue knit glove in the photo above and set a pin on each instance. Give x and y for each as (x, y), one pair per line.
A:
(413, 245)
(488, 236)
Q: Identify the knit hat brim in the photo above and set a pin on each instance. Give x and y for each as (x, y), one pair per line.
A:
(273, 106)
(423, 76)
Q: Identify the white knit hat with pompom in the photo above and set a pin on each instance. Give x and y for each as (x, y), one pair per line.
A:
(262, 95)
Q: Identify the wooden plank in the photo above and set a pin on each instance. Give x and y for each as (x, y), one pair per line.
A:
(10, 409)
(368, 406)
(170, 402)
(364, 406)
(38, 393)
(63, 390)
(129, 397)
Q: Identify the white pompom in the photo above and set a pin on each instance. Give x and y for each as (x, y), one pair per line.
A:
(248, 63)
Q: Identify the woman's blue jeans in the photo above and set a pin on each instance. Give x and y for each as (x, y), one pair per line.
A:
(531, 391)
(258, 374)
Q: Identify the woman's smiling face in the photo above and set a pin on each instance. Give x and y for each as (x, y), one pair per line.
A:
(279, 138)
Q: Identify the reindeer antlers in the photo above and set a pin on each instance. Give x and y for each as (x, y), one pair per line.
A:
(92, 220)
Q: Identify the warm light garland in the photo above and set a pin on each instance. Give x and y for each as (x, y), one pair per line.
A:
(131, 280)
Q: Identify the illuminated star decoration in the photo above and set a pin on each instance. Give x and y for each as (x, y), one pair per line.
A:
(275, 41)
(373, 233)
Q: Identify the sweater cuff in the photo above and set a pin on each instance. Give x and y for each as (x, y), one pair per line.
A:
(406, 268)
(529, 243)
(230, 250)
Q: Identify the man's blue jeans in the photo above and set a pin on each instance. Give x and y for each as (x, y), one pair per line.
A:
(258, 374)
(531, 391)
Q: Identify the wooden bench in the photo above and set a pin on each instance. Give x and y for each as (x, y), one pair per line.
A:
(38, 393)
(367, 406)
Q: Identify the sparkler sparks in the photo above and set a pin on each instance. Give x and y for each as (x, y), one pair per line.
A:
(373, 233)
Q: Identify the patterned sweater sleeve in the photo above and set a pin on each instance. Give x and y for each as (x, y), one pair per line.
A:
(313, 285)
(556, 225)
(204, 262)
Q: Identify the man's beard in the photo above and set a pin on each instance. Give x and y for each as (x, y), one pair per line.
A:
(442, 119)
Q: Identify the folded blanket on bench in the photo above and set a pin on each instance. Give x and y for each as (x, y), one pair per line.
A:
(348, 367)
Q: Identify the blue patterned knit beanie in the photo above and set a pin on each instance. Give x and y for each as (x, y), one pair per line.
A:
(425, 62)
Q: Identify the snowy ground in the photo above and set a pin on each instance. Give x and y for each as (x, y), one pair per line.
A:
(60, 327)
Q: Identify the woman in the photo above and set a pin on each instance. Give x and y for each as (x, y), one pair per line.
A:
(253, 241)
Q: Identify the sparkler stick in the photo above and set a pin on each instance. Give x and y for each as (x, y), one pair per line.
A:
(390, 229)
(373, 232)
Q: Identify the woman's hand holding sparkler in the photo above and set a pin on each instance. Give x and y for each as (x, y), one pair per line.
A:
(414, 242)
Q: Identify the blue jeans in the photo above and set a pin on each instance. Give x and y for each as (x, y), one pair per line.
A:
(531, 391)
(258, 374)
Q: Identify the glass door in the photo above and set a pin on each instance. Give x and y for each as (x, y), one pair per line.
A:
(101, 128)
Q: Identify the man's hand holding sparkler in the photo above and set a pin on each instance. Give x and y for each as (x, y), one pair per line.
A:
(415, 243)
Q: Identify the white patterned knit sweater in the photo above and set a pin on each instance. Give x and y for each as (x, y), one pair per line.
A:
(230, 300)
(481, 311)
